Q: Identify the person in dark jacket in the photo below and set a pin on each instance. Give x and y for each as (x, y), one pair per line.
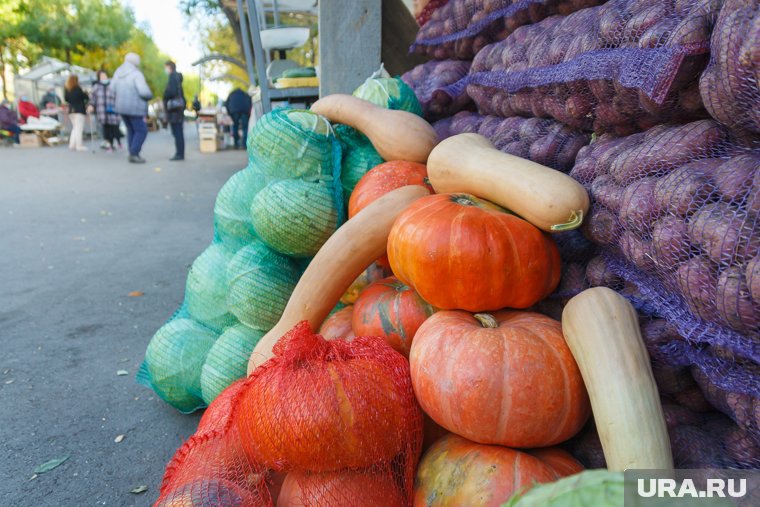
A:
(77, 100)
(9, 120)
(50, 97)
(174, 104)
(196, 105)
(239, 107)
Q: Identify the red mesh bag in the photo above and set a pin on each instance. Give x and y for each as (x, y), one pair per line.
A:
(339, 418)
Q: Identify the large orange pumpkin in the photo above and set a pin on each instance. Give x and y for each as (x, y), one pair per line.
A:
(373, 273)
(390, 309)
(340, 489)
(323, 405)
(456, 472)
(461, 252)
(507, 378)
(338, 325)
(383, 178)
(561, 461)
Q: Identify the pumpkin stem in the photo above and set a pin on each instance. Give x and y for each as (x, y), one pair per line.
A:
(486, 320)
(576, 218)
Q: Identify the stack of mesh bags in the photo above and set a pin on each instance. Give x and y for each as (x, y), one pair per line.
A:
(269, 220)
(322, 423)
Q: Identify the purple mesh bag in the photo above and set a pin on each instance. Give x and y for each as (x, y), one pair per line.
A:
(544, 141)
(621, 67)
(461, 28)
(675, 214)
(729, 85)
(430, 81)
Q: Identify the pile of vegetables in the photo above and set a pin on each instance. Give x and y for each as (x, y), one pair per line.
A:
(430, 82)
(270, 219)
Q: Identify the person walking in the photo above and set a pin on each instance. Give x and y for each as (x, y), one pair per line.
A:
(239, 106)
(174, 105)
(104, 104)
(196, 106)
(132, 96)
(77, 100)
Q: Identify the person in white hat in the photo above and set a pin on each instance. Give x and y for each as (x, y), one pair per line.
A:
(132, 96)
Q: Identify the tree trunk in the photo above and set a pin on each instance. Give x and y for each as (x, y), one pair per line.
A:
(68, 56)
(2, 74)
(229, 8)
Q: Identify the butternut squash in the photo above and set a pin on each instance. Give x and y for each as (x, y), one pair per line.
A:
(602, 330)
(396, 135)
(343, 257)
(469, 163)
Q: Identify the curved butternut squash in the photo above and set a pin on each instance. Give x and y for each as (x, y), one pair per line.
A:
(469, 163)
(343, 257)
(396, 135)
(602, 330)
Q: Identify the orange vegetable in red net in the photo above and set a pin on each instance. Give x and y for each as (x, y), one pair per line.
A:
(338, 325)
(390, 309)
(211, 492)
(323, 405)
(340, 489)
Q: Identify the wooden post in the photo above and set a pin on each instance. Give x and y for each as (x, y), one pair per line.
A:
(350, 34)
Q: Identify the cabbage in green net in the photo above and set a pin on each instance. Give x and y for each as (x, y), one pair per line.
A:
(206, 289)
(227, 360)
(292, 143)
(260, 283)
(232, 211)
(390, 92)
(359, 156)
(174, 358)
(295, 217)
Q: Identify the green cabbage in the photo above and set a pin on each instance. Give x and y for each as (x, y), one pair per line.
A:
(390, 92)
(597, 488)
(227, 360)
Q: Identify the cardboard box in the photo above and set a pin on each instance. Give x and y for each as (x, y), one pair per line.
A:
(209, 145)
(29, 140)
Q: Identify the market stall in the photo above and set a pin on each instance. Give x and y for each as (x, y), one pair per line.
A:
(559, 273)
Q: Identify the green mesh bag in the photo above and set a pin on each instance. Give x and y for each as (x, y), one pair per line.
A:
(232, 210)
(260, 283)
(390, 92)
(359, 156)
(295, 217)
(292, 143)
(173, 362)
(206, 288)
(227, 360)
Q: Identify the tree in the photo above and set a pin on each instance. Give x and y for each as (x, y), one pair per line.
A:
(69, 27)
(212, 7)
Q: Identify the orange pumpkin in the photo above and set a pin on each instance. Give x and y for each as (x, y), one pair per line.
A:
(461, 252)
(456, 472)
(340, 489)
(323, 405)
(373, 273)
(559, 460)
(390, 309)
(383, 178)
(338, 325)
(217, 415)
(507, 378)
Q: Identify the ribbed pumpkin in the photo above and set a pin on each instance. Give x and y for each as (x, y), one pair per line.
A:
(461, 252)
(373, 273)
(390, 309)
(227, 360)
(455, 472)
(323, 405)
(561, 461)
(295, 217)
(382, 179)
(260, 283)
(507, 378)
(338, 325)
(340, 489)
(206, 288)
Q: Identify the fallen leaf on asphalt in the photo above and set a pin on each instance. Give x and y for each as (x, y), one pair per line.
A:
(49, 465)
(136, 294)
(157, 169)
(138, 490)
(33, 477)
(122, 372)
(119, 438)
(9, 381)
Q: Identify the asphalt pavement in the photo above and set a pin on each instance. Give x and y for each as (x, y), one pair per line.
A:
(79, 232)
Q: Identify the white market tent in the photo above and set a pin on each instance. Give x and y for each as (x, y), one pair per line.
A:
(49, 72)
